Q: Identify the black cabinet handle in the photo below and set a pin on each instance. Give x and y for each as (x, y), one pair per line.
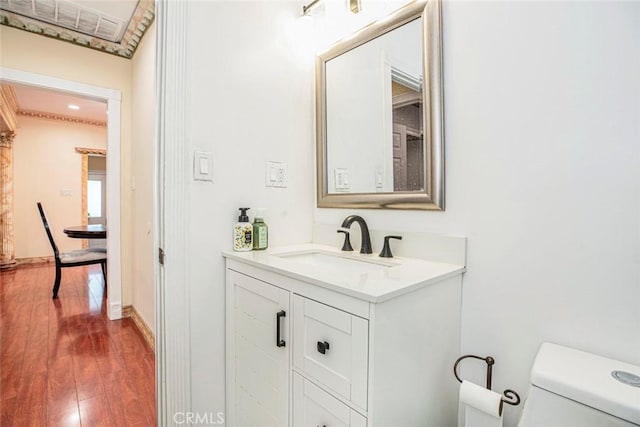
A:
(323, 346)
(279, 315)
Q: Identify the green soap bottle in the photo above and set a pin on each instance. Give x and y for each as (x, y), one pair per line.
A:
(260, 231)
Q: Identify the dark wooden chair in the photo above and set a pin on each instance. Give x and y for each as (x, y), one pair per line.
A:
(73, 258)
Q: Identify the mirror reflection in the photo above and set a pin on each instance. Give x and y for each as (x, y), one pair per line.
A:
(374, 115)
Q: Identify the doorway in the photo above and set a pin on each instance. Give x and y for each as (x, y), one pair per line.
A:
(112, 98)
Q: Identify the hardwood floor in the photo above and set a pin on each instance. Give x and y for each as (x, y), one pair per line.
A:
(63, 362)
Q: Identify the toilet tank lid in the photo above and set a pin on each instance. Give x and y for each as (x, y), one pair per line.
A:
(586, 378)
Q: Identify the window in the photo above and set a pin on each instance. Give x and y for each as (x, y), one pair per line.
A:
(94, 198)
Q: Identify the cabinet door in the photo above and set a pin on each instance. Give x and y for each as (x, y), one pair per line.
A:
(331, 347)
(314, 407)
(260, 360)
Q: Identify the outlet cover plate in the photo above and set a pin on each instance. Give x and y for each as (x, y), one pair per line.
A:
(276, 174)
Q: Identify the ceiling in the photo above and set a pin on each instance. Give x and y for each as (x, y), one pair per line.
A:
(110, 26)
(50, 104)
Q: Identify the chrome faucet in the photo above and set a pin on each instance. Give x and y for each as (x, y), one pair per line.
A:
(365, 245)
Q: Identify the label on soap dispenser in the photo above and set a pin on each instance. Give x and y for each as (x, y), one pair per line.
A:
(242, 237)
(261, 238)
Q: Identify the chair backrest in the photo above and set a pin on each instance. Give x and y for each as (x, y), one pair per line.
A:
(46, 228)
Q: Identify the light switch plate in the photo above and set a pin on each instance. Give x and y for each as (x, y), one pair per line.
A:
(203, 166)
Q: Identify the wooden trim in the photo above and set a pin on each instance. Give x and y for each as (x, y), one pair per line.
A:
(25, 262)
(8, 108)
(130, 311)
(93, 151)
(83, 195)
(144, 329)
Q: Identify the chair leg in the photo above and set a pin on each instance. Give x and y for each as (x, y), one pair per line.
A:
(104, 273)
(56, 284)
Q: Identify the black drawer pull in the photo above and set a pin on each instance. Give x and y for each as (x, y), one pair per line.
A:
(323, 347)
(279, 342)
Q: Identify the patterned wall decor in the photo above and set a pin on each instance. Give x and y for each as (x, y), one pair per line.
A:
(51, 116)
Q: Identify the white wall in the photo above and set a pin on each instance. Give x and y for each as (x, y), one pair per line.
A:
(250, 98)
(46, 165)
(542, 123)
(142, 177)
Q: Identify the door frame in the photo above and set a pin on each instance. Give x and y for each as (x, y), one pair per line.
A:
(112, 97)
(173, 331)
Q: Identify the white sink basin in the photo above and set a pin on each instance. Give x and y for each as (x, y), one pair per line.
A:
(334, 262)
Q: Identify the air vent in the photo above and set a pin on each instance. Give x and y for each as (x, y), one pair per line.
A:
(70, 15)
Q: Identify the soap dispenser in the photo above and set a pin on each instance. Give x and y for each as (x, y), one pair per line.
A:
(243, 233)
(260, 231)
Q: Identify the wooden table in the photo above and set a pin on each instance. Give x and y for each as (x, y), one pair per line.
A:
(91, 231)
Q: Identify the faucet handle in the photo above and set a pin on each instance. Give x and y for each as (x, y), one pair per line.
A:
(386, 249)
(347, 243)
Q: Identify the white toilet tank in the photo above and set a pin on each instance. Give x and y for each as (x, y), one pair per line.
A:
(571, 388)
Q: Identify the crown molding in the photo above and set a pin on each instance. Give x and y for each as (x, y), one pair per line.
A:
(141, 20)
(61, 117)
(93, 151)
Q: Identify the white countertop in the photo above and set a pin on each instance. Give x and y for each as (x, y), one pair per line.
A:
(402, 275)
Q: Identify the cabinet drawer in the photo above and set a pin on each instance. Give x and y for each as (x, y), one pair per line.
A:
(313, 407)
(331, 347)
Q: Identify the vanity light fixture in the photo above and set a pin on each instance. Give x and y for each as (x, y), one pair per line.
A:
(73, 107)
(353, 6)
(306, 10)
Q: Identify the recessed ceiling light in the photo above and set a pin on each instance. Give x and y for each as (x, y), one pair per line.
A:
(73, 107)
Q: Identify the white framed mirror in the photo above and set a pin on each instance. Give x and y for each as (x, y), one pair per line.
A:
(379, 114)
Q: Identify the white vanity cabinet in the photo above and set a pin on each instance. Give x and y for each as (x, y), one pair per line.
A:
(312, 406)
(338, 359)
(262, 364)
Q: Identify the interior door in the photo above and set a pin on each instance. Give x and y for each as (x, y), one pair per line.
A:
(399, 157)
